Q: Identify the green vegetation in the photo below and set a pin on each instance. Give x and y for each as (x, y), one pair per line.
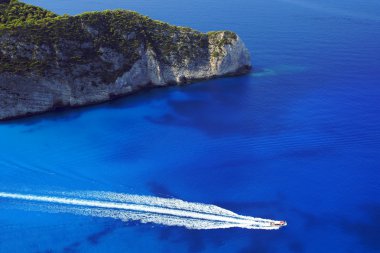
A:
(47, 42)
(219, 40)
(14, 14)
(227, 38)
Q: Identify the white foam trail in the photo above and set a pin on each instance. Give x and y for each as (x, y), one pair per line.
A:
(152, 201)
(170, 212)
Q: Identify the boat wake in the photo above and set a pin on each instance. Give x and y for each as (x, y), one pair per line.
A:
(146, 209)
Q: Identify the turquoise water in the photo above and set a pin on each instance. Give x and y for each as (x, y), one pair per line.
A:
(298, 139)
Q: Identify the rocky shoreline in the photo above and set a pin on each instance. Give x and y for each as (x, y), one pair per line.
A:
(72, 61)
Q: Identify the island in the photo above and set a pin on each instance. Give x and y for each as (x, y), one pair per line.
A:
(50, 61)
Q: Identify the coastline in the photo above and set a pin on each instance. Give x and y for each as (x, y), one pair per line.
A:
(143, 88)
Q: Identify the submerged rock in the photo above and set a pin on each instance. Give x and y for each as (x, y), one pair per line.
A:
(49, 61)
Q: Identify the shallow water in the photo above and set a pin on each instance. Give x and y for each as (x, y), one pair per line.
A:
(298, 139)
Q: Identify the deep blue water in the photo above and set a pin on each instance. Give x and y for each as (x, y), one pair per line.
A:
(298, 139)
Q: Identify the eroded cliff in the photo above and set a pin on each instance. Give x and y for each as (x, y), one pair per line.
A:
(49, 61)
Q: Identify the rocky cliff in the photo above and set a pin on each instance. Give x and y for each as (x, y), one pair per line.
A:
(49, 61)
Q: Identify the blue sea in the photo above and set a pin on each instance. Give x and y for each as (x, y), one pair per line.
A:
(298, 139)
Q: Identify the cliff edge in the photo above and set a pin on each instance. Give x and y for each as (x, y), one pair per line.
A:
(49, 61)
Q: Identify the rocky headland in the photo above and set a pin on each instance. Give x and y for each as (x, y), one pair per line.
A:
(49, 61)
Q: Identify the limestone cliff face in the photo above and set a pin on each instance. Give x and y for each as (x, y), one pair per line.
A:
(65, 61)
